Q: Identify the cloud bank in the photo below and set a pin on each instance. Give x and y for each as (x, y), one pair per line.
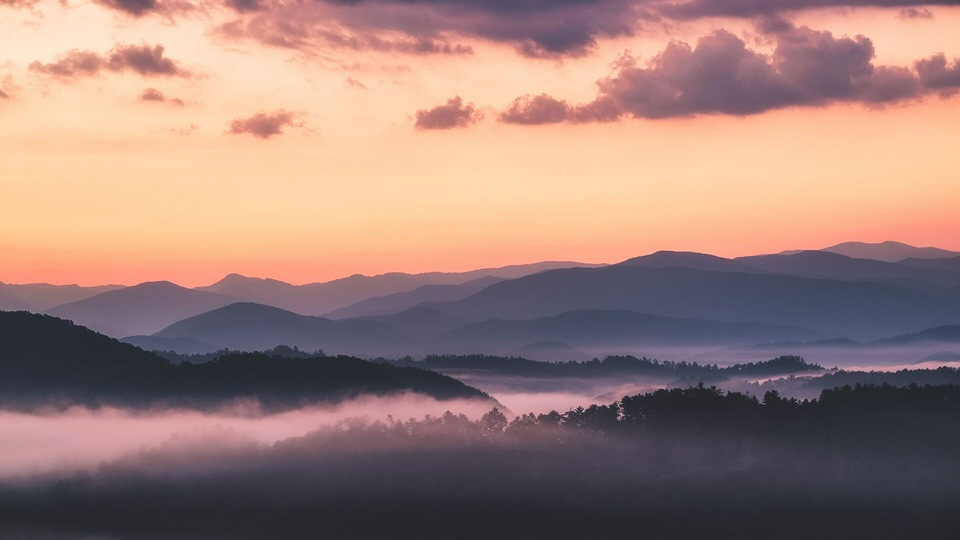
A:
(721, 75)
(142, 60)
(535, 28)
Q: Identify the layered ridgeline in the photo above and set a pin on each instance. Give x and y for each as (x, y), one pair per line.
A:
(423, 330)
(48, 361)
(665, 298)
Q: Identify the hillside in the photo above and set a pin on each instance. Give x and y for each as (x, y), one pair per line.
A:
(251, 327)
(322, 298)
(857, 310)
(822, 264)
(48, 361)
(888, 251)
(142, 309)
(397, 302)
(593, 327)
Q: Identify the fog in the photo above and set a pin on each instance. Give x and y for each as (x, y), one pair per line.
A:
(81, 438)
(447, 478)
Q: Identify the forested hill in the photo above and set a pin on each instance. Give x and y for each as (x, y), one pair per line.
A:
(610, 366)
(49, 361)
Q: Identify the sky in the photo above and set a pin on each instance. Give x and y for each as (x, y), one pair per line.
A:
(307, 140)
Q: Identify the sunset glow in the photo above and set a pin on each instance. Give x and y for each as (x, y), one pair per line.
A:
(228, 149)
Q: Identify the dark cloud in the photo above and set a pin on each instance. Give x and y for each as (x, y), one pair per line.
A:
(265, 124)
(152, 94)
(695, 9)
(144, 60)
(300, 28)
(936, 74)
(915, 13)
(541, 109)
(720, 75)
(454, 113)
(140, 8)
(245, 5)
(535, 28)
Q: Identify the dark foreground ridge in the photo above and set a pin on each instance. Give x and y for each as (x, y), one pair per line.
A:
(872, 462)
(46, 361)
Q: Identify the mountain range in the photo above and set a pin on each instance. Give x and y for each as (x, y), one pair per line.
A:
(664, 297)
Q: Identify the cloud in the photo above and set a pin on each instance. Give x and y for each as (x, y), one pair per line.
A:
(454, 113)
(245, 5)
(143, 60)
(721, 75)
(535, 28)
(152, 94)
(353, 83)
(21, 4)
(4, 95)
(532, 110)
(696, 9)
(915, 13)
(936, 74)
(140, 8)
(264, 125)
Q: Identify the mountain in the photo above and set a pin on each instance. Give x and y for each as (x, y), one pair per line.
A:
(252, 327)
(141, 309)
(9, 302)
(858, 310)
(179, 345)
(43, 296)
(321, 298)
(941, 334)
(824, 264)
(889, 251)
(397, 302)
(952, 264)
(48, 361)
(585, 328)
(689, 259)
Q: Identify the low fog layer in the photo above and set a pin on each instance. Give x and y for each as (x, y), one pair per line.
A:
(678, 464)
(81, 438)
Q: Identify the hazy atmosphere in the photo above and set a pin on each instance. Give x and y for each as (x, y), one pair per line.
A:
(480, 269)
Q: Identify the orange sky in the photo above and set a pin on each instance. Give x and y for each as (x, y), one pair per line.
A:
(97, 186)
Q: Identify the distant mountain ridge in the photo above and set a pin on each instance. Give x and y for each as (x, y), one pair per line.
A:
(142, 309)
(323, 298)
(888, 251)
(43, 296)
(857, 309)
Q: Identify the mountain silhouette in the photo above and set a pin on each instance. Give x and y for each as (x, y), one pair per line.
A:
(43, 296)
(598, 327)
(859, 310)
(888, 251)
(941, 334)
(322, 298)
(823, 264)
(142, 309)
(397, 302)
(252, 327)
(46, 361)
(951, 263)
(9, 302)
(689, 259)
